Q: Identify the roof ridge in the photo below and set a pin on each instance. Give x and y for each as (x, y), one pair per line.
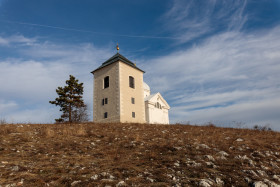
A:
(110, 58)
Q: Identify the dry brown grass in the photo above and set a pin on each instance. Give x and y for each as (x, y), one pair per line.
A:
(139, 154)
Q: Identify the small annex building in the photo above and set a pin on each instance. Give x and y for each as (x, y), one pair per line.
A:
(121, 95)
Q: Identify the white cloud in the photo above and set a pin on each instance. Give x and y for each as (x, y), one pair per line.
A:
(225, 58)
(21, 39)
(201, 100)
(30, 80)
(262, 112)
(231, 76)
(190, 20)
(42, 114)
(16, 39)
(32, 83)
(7, 106)
(81, 53)
(3, 41)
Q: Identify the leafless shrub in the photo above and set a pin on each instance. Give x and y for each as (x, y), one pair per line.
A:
(210, 124)
(263, 128)
(3, 121)
(238, 124)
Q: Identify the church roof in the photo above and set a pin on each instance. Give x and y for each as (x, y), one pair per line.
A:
(118, 57)
(149, 97)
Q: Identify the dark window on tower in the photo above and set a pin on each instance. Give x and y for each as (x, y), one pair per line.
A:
(132, 100)
(106, 82)
(105, 114)
(131, 82)
(105, 101)
(133, 114)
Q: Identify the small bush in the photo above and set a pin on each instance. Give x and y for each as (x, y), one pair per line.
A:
(210, 125)
(262, 128)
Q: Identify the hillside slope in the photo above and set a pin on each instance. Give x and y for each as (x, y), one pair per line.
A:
(137, 155)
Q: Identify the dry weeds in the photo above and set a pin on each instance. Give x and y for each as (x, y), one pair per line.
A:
(136, 155)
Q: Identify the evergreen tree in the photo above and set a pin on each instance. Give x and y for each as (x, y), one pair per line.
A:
(70, 100)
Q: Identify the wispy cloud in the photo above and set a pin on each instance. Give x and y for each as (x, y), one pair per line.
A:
(228, 71)
(191, 20)
(3, 41)
(16, 39)
(261, 112)
(6, 106)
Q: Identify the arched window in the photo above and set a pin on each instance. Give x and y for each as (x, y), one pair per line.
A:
(106, 82)
(131, 82)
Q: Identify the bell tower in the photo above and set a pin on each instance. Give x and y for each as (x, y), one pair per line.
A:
(118, 91)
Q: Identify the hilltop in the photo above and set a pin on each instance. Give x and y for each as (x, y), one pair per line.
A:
(137, 155)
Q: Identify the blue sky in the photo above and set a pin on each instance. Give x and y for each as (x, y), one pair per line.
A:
(213, 61)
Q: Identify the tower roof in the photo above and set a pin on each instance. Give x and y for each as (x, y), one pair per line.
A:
(117, 57)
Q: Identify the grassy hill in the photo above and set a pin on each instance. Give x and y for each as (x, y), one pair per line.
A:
(137, 155)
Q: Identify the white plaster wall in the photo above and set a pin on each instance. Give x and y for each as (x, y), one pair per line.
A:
(146, 93)
(126, 93)
(156, 115)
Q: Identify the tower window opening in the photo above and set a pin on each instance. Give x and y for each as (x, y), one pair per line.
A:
(105, 101)
(106, 82)
(106, 115)
(131, 82)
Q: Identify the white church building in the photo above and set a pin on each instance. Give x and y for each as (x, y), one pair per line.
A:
(156, 108)
(121, 95)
